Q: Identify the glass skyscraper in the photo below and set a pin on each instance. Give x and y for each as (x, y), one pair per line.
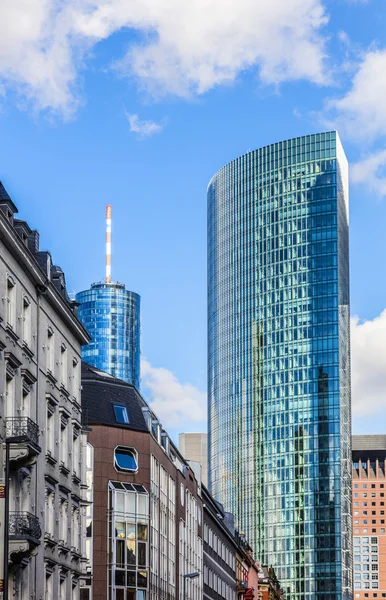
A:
(111, 315)
(279, 359)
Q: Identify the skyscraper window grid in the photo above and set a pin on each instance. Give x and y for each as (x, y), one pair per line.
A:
(279, 379)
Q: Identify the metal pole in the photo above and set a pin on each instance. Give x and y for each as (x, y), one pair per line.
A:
(6, 521)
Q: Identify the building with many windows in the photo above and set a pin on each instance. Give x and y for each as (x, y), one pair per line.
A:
(194, 447)
(42, 530)
(146, 525)
(278, 356)
(369, 521)
(111, 315)
(220, 549)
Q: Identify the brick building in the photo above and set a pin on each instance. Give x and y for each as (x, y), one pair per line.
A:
(146, 526)
(369, 520)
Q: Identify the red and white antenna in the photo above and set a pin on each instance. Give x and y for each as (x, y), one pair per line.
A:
(108, 243)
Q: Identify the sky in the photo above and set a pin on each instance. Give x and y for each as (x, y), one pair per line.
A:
(138, 103)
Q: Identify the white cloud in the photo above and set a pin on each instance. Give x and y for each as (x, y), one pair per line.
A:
(143, 128)
(370, 171)
(36, 53)
(184, 48)
(361, 112)
(368, 366)
(176, 404)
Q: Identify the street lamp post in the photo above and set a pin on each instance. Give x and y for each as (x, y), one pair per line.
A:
(184, 578)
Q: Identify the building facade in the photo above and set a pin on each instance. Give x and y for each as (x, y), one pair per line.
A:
(111, 315)
(194, 447)
(368, 490)
(279, 364)
(220, 547)
(40, 421)
(146, 525)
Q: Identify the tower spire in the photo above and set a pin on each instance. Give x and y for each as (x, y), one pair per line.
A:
(108, 243)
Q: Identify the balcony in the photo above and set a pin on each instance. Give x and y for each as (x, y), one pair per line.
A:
(22, 435)
(24, 535)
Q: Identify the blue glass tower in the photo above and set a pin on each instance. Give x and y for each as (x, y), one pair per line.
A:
(111, 315)
(279, 359)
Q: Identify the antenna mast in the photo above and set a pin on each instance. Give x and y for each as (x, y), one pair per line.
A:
(108, 243)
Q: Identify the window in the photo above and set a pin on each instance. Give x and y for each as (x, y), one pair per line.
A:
(63, 440)
(121, 414)
(27, 322)
(182, 494)
(63, 366)
(373, 485)
(11, 302)
(76, 452)
(125, 459)
(374, 540)
(50, 433)
(50, 350)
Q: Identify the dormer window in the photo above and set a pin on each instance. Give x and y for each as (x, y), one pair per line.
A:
(121, 415)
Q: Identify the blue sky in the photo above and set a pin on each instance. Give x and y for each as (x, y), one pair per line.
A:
(138, 104)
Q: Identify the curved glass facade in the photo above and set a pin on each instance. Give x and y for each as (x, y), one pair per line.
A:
(111, 315)
(279, 359)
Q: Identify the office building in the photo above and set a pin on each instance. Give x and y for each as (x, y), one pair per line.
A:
(42, 530)
(111, 315)
(368, 491)
(194, 447)
(146, 530)
(279, 365)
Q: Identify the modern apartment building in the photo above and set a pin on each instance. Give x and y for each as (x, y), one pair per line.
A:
(111, 315)
(147, 513)
(194, 447)
(279, 365)
(368, 491)
(43, 483)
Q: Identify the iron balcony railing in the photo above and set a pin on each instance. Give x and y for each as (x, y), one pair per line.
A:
(24, 524)
(23, 429)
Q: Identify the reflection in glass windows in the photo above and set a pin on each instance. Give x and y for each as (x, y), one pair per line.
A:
(128, 541)
(111, 315)
(278, 354)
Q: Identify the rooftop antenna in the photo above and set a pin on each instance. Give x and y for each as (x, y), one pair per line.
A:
(108, 243)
